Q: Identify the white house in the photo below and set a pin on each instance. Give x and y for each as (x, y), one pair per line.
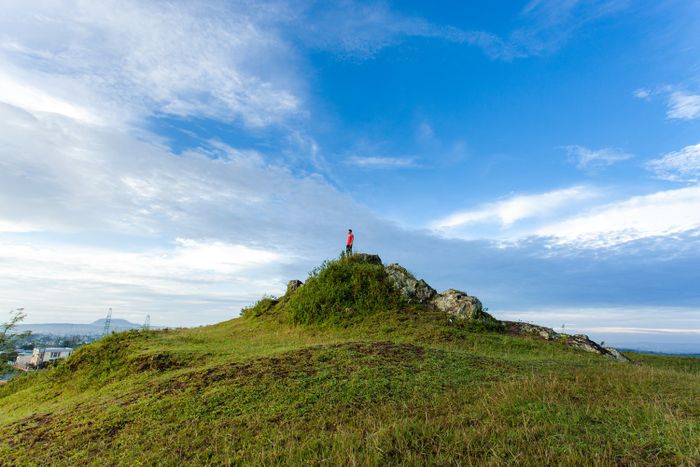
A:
(49, 354)
(23, 361)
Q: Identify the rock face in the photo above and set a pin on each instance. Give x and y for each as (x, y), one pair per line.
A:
(293, 285)
(414, 290)
(367, 258)
(460, 305)
(453, 302)
(577, 341)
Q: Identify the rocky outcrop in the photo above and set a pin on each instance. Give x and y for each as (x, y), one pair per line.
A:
(461, 305)
(293, 285)
(577, 341)
(367, 258)
(414, 290)
(453, 302)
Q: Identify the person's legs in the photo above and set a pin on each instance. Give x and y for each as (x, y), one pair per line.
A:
(348, 250)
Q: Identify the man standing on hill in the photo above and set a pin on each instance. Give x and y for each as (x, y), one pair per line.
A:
(351, 240)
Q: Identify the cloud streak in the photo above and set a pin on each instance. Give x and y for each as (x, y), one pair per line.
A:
(660, 214)
(517, 208)
(360, 30)
(375, 162)
(595, 159)
(678, 166)
(174, 59)
(683, 105)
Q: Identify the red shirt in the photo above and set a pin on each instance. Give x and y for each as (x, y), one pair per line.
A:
(351, 238)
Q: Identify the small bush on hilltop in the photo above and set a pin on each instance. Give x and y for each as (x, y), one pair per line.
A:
(342, 292)
(261, 307)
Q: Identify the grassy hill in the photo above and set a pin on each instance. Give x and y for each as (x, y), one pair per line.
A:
(345, 370)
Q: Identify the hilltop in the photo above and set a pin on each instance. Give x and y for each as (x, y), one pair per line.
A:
(361, 363)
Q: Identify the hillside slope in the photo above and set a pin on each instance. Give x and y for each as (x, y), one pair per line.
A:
(347, 369)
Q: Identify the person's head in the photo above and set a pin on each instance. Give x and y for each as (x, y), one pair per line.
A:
(349, 230)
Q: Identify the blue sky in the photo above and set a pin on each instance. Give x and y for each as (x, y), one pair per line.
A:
(180, 159)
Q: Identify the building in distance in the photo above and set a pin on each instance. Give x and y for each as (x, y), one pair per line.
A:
(41, 356)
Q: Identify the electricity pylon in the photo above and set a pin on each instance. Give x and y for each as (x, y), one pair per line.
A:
(108, 322)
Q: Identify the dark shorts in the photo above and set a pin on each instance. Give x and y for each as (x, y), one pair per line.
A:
(348, 249)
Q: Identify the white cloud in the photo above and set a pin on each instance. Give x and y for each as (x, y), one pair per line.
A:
(60, 175)
(678, 166)
(9, 226)
(163, 269)
(664, 213)
(71, 282)
(361, 30)
(373, 162)
(684, 106)
(80, 184)
(22, 95)
(642, 93)
(576, 218)
(590, 159)
(517, 208)
(548, 24)
(628, 330)
(201, 59)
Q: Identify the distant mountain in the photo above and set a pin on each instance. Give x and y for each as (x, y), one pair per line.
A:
(72, 329)
(117, 323)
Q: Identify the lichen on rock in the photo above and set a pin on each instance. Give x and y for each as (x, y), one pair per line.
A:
(461, 305)
(293, 285)
(412, 289)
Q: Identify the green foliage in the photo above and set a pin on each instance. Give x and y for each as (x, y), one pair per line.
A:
(479, 326)
(343, 292)
(8, 339)
(104, 360)
(261, 307)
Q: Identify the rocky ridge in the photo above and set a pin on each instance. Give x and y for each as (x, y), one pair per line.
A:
(462, 306)
(577, 341)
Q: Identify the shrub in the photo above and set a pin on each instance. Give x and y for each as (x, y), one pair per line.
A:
(261, 307)
(342, 292)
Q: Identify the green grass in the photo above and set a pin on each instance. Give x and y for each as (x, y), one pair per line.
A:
(397, 385)
(343, 292)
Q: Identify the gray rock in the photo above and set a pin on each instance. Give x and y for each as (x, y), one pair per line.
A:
(460, 305)
(293, 285)
(367, 258)
(582, 342)
(617, 355)
(520, 328)
(414, 290)
(578, 341)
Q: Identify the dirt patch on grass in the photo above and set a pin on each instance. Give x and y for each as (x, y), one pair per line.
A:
(345, 357)
(30, 430)
(161, 361)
